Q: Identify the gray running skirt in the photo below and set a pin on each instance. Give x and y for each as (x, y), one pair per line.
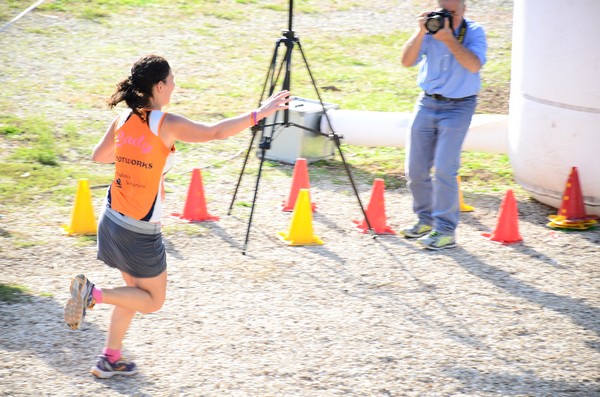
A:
(132, 246)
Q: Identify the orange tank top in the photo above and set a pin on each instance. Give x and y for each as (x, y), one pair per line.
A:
(140, 162)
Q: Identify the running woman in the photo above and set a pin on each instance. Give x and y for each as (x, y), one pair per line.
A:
(141, 144)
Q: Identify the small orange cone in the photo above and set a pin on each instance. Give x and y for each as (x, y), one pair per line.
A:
(299, 181)
(82, 216)
(376, 211)
(300, 231)
(463, 207)
(195, 205)
(507, 228)
(571, 214)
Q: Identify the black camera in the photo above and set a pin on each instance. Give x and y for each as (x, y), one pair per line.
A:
(436, 20)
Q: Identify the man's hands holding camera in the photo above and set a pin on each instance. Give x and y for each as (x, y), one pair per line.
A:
(445, 34)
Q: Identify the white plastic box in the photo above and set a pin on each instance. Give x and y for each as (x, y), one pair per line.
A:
(290, 143)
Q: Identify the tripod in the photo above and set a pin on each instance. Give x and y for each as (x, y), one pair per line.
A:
(267, 131)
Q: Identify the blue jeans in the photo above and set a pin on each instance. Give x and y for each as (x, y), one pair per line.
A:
(435, 141)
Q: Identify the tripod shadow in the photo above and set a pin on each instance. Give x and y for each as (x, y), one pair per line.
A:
(323, 219)
(320, 250)
(171, 249)
(399, 241)
(224, 235)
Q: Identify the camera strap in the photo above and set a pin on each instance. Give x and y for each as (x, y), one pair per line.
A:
(463, 31)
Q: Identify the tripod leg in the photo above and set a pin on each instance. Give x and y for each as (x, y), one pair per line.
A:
(360, 204)
(268, 82)
(239, 182)
(336, 139)
(260, 167)
(267, 137)
(288, 76)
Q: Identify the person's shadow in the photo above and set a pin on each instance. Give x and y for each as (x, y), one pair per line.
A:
(581, 313)
(509, 384)
(34, 325)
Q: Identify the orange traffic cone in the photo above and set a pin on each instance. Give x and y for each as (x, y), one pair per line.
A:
(461, 204)
(300, 231)
(299, 181)
(507, 228)
(571, 214)
(82, 215)
(572, 207)
(376, 211)
(195, 205)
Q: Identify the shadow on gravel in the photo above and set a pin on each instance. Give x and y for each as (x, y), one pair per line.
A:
(584, 315)
(224, 235)
(171, 250)
(535, 213)
(458, 332)
(34, 326)
(517, 385)
(526, 383)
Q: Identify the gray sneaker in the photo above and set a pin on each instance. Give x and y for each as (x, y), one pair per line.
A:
(81, 299)
(418, 230)
(437, 241)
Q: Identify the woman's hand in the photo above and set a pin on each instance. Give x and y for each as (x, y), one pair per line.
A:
(277, 101)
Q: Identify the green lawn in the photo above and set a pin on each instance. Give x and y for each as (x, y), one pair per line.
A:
(44, 157)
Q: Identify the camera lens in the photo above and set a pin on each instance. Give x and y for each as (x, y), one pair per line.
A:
(433, 24)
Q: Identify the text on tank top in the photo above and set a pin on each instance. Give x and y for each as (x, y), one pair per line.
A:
(140, 158)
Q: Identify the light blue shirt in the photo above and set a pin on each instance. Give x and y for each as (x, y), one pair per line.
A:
(440, 72)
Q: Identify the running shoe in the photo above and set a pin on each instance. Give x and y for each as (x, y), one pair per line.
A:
(81, 299)
(418, 230)
(104, 369)
(437, 241)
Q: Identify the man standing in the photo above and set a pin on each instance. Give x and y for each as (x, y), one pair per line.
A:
(450, 61)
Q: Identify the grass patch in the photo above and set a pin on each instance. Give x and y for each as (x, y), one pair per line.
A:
(37, 143)
(11, 8)
(365, 79)
(12, 293)
(487, 172)
(42, 160)
(96, 9)
(185, 229)
(367, 163)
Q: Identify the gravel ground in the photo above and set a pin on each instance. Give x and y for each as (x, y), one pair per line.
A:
(355, 317)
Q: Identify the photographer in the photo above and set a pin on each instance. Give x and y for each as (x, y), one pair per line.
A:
(449, 62)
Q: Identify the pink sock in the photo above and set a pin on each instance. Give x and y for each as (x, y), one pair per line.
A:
(113, 355)
(97, 294)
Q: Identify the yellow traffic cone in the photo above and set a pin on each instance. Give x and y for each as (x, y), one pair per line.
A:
(82, 216)
(463, 207)
(300, 231)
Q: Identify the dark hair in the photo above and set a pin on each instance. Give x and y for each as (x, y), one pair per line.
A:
(136, 90)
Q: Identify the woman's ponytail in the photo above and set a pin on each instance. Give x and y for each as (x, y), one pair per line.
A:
(136, 90)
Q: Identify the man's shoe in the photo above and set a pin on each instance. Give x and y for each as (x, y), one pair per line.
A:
(104, 369)
(437, 241)
(418, 230)
(81, 299)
